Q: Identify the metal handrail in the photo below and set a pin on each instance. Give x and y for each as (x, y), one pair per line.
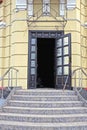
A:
(72, 75)
(80, 79)
(3, 77)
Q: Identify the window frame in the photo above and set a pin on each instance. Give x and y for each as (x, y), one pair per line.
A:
(71, 4)
(45, 2)
(21, 5)
(30, 8)
(62, 7)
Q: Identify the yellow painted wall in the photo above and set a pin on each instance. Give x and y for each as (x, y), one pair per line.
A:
(14, 38)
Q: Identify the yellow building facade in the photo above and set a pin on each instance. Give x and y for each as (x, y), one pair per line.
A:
(28, 24)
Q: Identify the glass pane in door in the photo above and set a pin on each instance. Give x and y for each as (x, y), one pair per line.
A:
(59, 52)
(59, 43)
(66, 60)
(65, 41)
(59, 61)
(33, 41)
(32, 56)
(66, 70)
(32, 63)
(66, 51)
(59, 71)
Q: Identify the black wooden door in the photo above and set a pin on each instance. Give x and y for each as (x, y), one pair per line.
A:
(63, 60)
(33, 63)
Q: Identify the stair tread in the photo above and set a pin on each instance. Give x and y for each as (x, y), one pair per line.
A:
(27, 108)
(27, 124)
(53, 102)
(53, 96)
(43, 116)
(44, 90)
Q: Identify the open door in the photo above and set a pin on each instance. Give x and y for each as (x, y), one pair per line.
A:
(63, 61)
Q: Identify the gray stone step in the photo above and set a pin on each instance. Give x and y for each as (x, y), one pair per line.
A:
(45, 98)
(43, 109)
(43, 118)
(43, 104)
(44, 92)
(48, 111)
(11, 125)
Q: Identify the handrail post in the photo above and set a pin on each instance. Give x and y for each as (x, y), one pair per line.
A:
(75, 80)
(2, 94)
(79, 79)
(16, 78)
(82, 80)
(11, 78)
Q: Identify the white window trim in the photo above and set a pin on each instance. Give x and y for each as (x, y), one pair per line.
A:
(46, 12)
(30, 8)
(21, 6)
(62, 7)
(71, 5)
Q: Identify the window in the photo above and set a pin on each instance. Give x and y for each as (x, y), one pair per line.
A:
(46, 7)
(62, 7)
(30, 7)
(71, 4)
(21, 4)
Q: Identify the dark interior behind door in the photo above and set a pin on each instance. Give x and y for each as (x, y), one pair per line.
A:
(45, 62)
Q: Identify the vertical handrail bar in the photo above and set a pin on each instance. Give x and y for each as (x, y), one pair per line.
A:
(82, 79)
(11, 78)
(2, 95)
(79, 79)
(66, 82)
(16, 78)
(75, 80)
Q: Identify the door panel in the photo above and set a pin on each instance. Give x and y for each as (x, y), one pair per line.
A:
(63, 62)
(33, 62)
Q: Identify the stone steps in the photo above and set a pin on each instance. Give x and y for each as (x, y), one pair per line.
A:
(43, 118)
(45, 104)
(11, 125)
(45, 92)
(42, 109)
(45, 98)
(48, 111)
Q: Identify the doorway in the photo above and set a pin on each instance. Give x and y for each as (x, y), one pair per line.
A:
(45, 62)
(49, 59)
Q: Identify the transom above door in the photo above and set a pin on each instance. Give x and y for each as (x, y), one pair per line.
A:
(62, 59)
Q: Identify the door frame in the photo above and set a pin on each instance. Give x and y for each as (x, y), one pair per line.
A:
(40, 34)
